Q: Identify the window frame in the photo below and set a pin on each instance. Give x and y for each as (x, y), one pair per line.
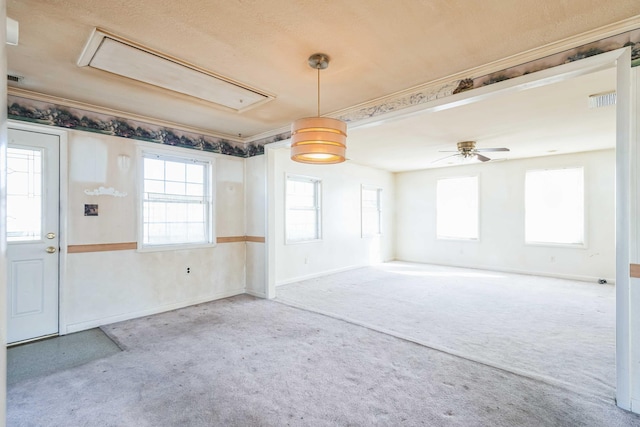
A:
(478, 210)
(181, 156)
(378, 210)
(317, 207)
(582, 245)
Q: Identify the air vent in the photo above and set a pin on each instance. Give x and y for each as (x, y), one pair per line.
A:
(14, 78)
(125, 58)
(602, 99)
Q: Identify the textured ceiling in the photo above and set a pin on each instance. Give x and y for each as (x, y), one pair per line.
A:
(377, 48)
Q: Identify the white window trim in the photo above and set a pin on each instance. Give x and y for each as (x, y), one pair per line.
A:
(585, 204)
(364, 187)
(319, 216)
(178, 153)
(478, 213)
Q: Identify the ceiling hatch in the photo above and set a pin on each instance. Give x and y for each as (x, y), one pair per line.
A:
(116, 55)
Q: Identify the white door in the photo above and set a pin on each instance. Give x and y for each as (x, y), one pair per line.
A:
(33, 198)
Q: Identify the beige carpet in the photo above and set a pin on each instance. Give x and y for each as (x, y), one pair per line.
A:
(558, 331)
(250, 362)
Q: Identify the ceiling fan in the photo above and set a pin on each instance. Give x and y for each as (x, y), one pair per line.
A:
(467, 149)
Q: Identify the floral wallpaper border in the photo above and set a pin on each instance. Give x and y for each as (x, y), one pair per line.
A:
(29, 110)
(46, 113)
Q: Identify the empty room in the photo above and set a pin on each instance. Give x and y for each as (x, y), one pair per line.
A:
(276, 213)
(543, 209)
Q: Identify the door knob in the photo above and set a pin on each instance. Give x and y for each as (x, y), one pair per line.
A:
(51, 250)
(51, 235)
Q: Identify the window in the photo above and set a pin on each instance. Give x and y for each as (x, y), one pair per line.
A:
(371, 212)
(554, 206)
(176, 201)
(457, 208)
(24, 194)
(302, 221)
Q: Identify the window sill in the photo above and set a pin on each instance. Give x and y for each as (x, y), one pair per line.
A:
(458, 239)
(557, 245)
(301, 242)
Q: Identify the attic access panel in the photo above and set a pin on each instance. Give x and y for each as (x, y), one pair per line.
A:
(116, 55)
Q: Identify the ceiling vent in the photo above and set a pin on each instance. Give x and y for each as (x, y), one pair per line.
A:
(125, 58)
(602, 99)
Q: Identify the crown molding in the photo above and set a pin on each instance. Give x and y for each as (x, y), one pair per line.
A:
(69, 103)
(279, 134)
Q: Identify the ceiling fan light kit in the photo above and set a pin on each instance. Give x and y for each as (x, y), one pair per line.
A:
(467, 149)
(318, 140)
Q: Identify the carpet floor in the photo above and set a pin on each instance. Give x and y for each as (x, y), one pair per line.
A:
(244, 361)
(557, 331)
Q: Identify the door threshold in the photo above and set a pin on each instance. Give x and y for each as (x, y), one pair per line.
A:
(27, 341)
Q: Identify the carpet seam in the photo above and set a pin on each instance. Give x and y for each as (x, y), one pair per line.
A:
(538, 378)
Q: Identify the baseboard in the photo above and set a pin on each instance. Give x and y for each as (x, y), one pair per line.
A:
(255, 293)
(591, 279)
(320, 274)
(81, 326)
(579, 278)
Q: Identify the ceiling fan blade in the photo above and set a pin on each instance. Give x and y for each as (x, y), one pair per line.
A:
(482, 158)
(448, 151)
(444, 158)
(486, 150)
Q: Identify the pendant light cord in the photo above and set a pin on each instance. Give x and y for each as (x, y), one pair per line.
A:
(318, 68)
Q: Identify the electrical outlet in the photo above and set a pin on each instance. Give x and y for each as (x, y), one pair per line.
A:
(188, 270)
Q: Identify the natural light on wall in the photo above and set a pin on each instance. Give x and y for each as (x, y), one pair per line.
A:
(371, 212)
(457, 208)
(554, 206)
(302, 219)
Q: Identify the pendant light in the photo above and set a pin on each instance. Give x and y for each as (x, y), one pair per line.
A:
(319, 140)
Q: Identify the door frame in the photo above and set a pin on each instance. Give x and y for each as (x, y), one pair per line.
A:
(63, 170)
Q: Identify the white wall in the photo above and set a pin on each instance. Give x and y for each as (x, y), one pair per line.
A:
(501, 245)
(255, 202)
(341, 246)
(103, 287)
